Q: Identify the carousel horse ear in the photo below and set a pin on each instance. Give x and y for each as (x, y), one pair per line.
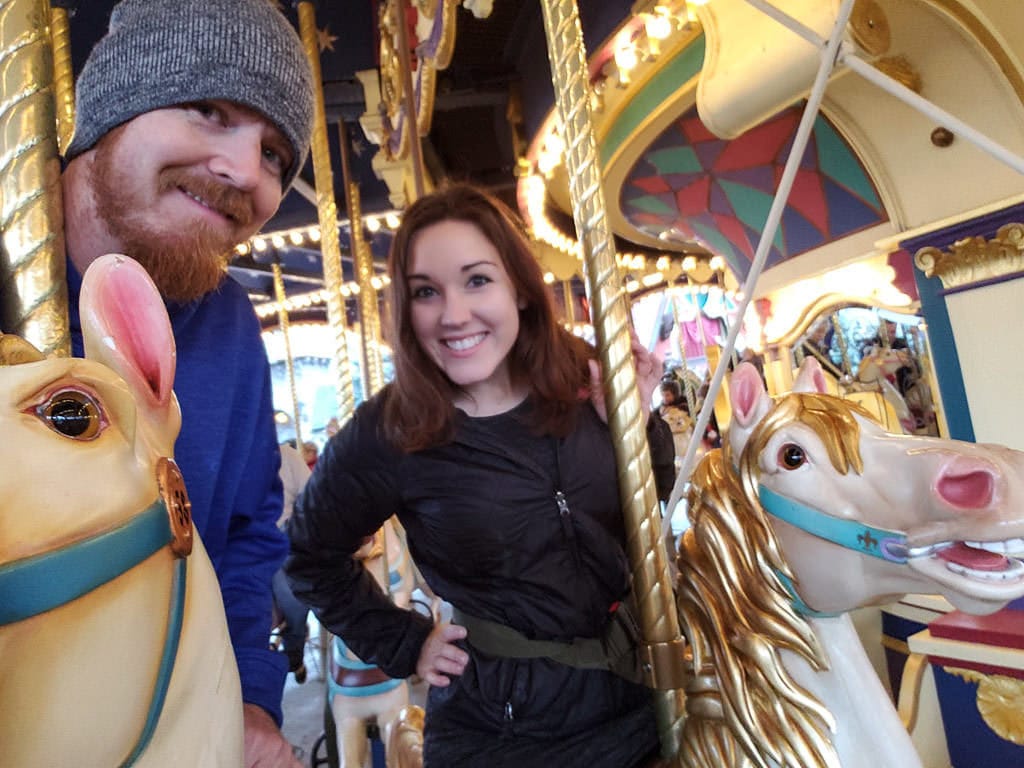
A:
(746, 390)
(125, 327)
(810, 377)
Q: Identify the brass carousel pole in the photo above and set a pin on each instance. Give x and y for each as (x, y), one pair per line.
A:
(327, 210)
(33, 280)
(289, 362)
(659, 622)
(412, 128)
(570, 306)
(373, 373)
(63, 75)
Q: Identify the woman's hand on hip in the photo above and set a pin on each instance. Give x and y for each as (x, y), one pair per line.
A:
(440, 656)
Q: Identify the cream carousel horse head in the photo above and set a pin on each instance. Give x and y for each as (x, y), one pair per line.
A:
(813, 511)
(113, 644)
(361, 694)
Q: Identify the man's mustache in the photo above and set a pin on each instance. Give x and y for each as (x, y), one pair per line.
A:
(223, 198)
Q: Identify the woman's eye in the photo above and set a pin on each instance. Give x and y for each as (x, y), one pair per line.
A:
(72, 413)
(791, 456)
(423, 292)
(478, 280)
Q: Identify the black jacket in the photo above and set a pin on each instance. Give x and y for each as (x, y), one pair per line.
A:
(489, 536)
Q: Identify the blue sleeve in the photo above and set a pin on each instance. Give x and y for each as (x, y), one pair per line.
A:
(255, 550)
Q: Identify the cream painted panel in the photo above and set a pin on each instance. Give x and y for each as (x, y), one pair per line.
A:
(987, 326)
(920, 182)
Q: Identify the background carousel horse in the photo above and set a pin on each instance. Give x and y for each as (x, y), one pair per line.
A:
(896, 372)
(114, 649)
(825, 514)
(360, 694)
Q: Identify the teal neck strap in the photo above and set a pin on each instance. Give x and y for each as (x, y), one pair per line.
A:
(849, 534)
(41, 583)
(38, 584)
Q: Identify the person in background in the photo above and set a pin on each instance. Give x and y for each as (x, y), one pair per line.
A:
(193, 117)
(310, 453)
(491, 446)
(675, 413)
(294, 474)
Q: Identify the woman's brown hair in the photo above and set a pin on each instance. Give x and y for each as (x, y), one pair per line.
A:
(418, 411)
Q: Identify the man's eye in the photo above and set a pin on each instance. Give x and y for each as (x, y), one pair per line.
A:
(72, 413)
(274, 158)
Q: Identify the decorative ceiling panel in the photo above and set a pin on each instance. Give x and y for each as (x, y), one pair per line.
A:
(697, 187)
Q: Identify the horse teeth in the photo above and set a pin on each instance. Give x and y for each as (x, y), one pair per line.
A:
(1013, 572)
(1006, 547)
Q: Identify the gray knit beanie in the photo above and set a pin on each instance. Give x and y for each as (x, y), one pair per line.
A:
(158, 53)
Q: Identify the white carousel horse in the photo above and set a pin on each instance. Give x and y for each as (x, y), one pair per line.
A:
(114, 649)
(826, 513)
(360, 694)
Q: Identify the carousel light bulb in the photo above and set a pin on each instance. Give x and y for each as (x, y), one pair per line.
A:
(259, 244)
(314, 234)
(376, 283)
(242, 249)
(296, 237)
(277, 241)
(549, 277)
(717, 263)
(373, 223)
(392, 220)
(658, 26)
(689, 264)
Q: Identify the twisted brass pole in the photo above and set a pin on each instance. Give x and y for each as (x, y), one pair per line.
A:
(412, 117)
(652, 586)
(327, 210)
(33, 280)
(63, 75)
(289, 362)
(373, 374)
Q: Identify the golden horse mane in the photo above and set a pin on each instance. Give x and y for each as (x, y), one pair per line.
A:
(14, 350)
(743, 707)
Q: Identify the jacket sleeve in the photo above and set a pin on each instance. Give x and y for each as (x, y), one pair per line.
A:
(659, 440)
(351, 493)
(254, 550)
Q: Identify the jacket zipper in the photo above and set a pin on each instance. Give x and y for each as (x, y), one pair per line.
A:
(565, 516)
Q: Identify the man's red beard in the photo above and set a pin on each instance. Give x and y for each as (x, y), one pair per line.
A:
(185, 265)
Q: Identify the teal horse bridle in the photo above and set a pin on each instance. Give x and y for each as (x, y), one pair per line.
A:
(41, 583)
(865, 539)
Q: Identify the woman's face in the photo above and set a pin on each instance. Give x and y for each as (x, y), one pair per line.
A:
(464, 309)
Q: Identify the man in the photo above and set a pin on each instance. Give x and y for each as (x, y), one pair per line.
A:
(193, 118)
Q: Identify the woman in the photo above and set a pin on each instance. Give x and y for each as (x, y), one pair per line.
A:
(502, 471)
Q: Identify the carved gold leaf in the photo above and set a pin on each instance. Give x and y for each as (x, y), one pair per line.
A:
(1000, 701)
(974, 259)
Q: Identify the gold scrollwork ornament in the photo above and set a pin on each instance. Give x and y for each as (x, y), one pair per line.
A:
(974, 259)
(1000, 701)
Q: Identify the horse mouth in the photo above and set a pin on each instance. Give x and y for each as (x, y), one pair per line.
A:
(986, 561)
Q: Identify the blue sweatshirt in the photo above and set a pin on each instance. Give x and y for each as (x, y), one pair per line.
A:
(228, 453)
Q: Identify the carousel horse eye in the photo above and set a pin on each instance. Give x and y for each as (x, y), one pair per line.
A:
(791, 456)
(72, 413)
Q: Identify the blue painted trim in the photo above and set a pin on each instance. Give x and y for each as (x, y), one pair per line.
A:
(945, 358)
(798, 602)
(34, 585)
(176, 618)
(359, 691)
(882, 543)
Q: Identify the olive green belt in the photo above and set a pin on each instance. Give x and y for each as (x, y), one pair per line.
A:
(614, 651)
